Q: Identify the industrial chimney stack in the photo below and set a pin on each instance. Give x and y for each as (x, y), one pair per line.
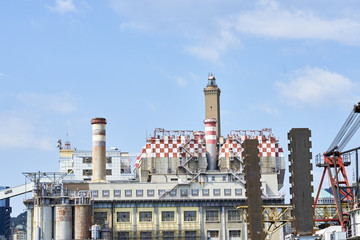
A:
(99, 149)
(210, 137)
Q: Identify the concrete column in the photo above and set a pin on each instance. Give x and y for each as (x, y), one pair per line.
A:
(201, 223)
(179, 220)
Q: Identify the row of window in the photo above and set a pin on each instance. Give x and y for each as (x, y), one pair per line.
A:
(170, 235)
(173, 193)
(188, 216)
(88, 172)
(89, 159)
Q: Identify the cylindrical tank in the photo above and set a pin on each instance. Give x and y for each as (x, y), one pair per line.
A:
(82, 221)
(98, 149)
(29, 222)
(43, 220)
(210, 137)
(95, 231)
(63, 230)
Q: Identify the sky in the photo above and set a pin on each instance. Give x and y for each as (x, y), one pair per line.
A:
(143, 65)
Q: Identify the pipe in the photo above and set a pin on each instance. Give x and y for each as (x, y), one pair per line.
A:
(223, 222)
(210, 137)
(99, 149)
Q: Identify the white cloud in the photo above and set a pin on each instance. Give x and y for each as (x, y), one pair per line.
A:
(134, 26)
(181, 81)
(272, 21)
(18, 131)
(60, 103)
(152, 106)
(63, 6)
(267, 108)
(316, 86)
(214, 45)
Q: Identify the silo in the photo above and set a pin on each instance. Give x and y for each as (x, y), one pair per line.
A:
(42, 224)
(82, 221)
(98, 149)
(29, 223)
(63, 230)
(210, 138)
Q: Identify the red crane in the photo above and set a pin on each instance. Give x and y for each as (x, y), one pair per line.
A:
(334, 163)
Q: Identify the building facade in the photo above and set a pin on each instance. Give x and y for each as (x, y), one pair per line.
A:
(183, 185)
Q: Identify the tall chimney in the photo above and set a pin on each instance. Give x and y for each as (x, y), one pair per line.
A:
(99, 149)
(210, 137)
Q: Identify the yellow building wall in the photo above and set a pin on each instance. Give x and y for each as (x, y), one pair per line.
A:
(168, 225)
(193, 224)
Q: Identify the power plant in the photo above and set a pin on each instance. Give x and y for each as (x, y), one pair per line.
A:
(186, 184)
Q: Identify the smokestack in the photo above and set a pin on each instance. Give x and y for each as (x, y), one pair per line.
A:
(99, 149)
(210, 137)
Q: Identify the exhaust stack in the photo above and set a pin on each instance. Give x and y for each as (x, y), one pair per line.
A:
(98, 150)
(210, 137)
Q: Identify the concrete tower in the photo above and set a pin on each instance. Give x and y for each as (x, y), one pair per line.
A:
(212, 102)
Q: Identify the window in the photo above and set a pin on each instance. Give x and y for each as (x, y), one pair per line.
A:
(108, 172)
(213, 234)
(145, 236)
(167, 216)
(95, 193)
(234, 234)
(190, 235)
(150, 192)
(189, 216)
(227, 192)
(87, 159)
(168, 235)
(123, 216)
(139, 193)
(161, 192)
(100, 217)
(128, 193)
(105, 193)
(212, 215)
(216, 192)
(183, 192)
(238, 192)
(108, 159)
(173, 193)
(224, 178)
(117, 193)
(145, 216)
(213, 178)
(195, 192)
(124, 235)
(205, 192)
(87, 172)
(234, 215)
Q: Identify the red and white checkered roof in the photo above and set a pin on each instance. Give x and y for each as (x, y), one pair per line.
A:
(186, 146)
(268, 147)
(172, 148)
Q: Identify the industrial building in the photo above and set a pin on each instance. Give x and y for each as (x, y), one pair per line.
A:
(183, 185)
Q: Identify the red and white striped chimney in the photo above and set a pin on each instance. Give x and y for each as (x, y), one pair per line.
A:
(210, 138)
(98, 149)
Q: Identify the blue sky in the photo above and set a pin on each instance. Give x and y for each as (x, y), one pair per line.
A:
(143, 64)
